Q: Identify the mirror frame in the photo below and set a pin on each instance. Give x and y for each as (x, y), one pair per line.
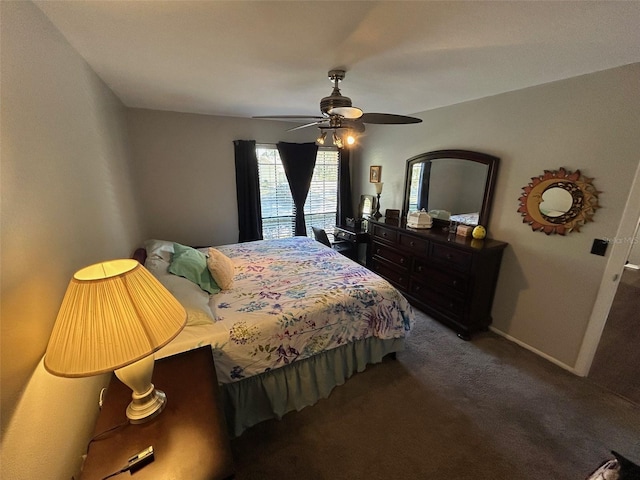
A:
(486, 159)
(584, 201)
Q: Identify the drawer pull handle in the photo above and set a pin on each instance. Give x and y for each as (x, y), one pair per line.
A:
(419, 268)
(413, 244)
(384, 234)
(454, 283)
(417, 288)
(402, 260)
(400, 279)
(451, 305)
(378, 251)
(449, 256)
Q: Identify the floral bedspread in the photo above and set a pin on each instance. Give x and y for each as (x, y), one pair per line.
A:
(291, 299)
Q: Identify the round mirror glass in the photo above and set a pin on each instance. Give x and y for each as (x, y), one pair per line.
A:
(555, 202)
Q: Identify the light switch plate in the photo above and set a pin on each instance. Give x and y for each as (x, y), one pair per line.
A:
(599, 247)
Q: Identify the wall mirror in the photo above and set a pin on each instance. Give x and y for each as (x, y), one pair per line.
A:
(559, 201)
(452, 184)
(366, 206)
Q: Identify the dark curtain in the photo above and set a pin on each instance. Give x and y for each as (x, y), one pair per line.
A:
(345, 202)
(248, 191)
(423, 186)
(298, 160)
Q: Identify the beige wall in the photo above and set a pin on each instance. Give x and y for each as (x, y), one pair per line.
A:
(186, 171)
(66, 202)
(547, 284)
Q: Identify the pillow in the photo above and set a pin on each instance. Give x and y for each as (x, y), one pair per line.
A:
(221, 268)
(194, 300)
(191, 264)
(159, 249)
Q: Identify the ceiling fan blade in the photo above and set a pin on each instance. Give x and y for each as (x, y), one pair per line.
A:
(312, 124)
(388, 118)
(290, 117)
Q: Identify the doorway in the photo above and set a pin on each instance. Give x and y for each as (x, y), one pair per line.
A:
(616, 365)
(619, 253)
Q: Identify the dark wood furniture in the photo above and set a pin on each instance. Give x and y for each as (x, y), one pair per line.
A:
(356, 237)
(189, 436)
(449, 277)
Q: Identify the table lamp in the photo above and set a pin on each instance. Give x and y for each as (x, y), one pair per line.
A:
(378, 186)
(114, 315)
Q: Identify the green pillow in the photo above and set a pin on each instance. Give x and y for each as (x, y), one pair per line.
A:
(191, 264)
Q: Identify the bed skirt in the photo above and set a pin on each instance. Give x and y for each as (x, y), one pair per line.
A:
(300, 384)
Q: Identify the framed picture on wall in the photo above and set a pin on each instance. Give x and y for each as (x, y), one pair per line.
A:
(375, 172)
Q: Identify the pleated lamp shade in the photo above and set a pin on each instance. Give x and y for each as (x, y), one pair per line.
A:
(113, 314)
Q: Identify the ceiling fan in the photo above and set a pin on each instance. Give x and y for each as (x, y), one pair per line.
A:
(339, 113)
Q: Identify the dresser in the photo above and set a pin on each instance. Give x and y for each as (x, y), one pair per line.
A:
(448, 277)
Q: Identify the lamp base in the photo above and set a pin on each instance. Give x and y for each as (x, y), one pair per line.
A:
(147, 406)
(146, 401)
(377, 214)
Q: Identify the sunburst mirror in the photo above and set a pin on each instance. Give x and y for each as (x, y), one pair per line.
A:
(560, 201)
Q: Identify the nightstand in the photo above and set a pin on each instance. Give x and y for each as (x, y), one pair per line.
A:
(189, 437)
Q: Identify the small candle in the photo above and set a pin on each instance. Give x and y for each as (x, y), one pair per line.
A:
(378, 186)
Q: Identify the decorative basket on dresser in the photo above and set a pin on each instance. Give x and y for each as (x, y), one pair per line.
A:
(447, 276)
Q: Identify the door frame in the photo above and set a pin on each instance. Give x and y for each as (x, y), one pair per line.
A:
(620, 247)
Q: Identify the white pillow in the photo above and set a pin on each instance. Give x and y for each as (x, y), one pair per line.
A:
(194, 300)
(162, 249)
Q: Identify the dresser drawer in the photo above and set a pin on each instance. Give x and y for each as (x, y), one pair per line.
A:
(451, 305)
(396, 276)
(415, 245)
(451, 257)
(384, 233)
(390, 254)
(439, 279)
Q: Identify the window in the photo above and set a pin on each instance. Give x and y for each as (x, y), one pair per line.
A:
(278, 210)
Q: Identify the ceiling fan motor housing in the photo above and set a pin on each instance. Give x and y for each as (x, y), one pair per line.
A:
(333, 101)
(336, 99)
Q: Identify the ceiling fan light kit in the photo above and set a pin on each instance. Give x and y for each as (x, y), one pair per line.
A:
(338, 113)
(351, 113)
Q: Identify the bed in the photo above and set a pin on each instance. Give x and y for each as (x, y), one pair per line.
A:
(297, 320)
(466, 218)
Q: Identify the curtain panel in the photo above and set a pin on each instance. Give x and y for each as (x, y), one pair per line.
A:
(298, 160)
(248, 191)
(345, 201)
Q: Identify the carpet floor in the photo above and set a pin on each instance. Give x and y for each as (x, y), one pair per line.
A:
(446, 408)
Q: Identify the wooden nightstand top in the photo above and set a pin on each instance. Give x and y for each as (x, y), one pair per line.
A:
(189, 437)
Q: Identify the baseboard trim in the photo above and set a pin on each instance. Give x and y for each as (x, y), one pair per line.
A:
(536, 351)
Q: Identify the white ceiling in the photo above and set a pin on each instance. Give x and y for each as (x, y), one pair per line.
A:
(245, 58)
